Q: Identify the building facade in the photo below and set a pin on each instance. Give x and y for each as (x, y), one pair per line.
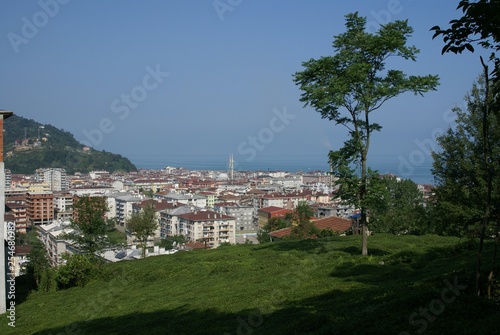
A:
(209, 227)
(39, 208)
(56, 179)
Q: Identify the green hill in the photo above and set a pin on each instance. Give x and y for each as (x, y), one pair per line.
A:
(409, 285)
(30, 145)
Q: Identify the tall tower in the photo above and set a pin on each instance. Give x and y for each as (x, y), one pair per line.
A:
(3, 228)
(231, 168)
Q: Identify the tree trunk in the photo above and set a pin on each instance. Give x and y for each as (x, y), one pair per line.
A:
(364, 186)
(362, 193)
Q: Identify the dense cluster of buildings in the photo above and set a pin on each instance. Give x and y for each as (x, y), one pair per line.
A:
(208, 208)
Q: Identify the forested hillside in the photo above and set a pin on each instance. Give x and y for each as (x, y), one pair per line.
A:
(30, 145)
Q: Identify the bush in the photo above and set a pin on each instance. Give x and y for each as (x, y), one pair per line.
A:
(78, 270)
(327, 233)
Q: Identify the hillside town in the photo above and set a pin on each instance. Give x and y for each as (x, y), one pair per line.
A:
(208, 208)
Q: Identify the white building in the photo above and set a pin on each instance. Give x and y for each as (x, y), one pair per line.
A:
(124, 207)
(63, 206)
(92, 190)
(169, 220)
(187, 199)
(56, 178)
(52, 237)
(207, 226)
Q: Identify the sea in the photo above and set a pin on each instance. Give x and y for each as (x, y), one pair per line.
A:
(416, 168)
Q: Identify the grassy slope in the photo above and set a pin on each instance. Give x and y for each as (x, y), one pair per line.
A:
(305, 287)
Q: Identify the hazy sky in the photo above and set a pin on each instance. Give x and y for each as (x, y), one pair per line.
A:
(210, 78)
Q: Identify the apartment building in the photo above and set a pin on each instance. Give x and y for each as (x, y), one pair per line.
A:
(17, 205)
(124, 207)
(63, 206)
(52, 237)
(209, 227)
(56, 179)
(39, 208)
(8, 179)
(244, 216)
(18, 214)
(169, 220)
(187, 199)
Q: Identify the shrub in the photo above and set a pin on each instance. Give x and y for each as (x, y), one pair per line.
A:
(78, 270)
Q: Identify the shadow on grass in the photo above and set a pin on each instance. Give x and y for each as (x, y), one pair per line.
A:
(406, 265)
(361, 311)
(23, 288)
(292, 320)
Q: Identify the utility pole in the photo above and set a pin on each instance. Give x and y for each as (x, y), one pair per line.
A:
(3, 228)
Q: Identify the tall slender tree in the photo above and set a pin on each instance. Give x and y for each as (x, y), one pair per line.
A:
(348, 86)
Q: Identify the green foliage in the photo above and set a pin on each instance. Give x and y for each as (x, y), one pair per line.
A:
(327, 233)
(143, 225)
(168, 243)
(303, 227)
(90, 225)
(461, 172)
(60, 150)
(278, 223)
(348, 86)
(78, 270)
(38, 259)
(479, 24)
(403, 210)
(48, 281)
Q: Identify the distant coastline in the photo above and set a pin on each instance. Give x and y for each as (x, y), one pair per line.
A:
(420, 174)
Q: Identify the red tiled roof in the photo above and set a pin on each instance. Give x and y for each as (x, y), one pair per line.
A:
(196, 245)
(334, 223)
(281, 232)
(272, 209)
(159, 205)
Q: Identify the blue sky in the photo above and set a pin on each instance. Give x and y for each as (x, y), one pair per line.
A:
(204, 77)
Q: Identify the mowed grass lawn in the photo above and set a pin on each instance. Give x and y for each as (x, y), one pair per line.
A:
(408, 285)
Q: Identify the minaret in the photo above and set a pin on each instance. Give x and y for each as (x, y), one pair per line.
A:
(231, 168)
(3, 228)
